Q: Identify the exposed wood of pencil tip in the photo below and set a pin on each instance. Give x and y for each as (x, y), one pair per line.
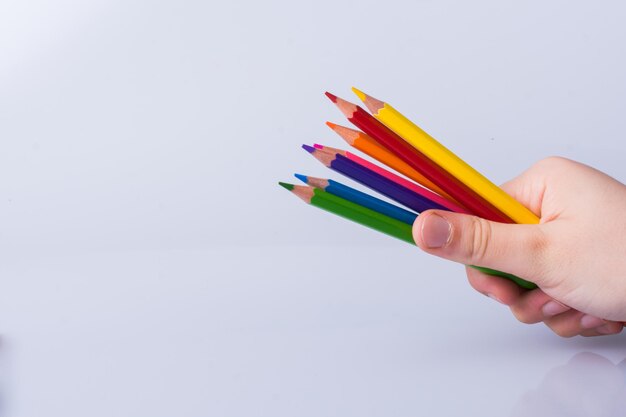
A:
(317, 182)
(324, 156)
(347, 134)
(330, 149)
(304, 192)
(372, 104)
(347, 108)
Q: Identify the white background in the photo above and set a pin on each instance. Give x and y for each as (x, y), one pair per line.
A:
(151, 266)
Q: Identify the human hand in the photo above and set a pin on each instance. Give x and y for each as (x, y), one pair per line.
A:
(576, 255)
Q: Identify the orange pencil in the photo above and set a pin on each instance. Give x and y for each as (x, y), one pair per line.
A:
(369, 146)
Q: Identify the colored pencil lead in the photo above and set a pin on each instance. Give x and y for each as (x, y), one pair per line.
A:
(301, 177)
(323, 155)
(303, 191)
(347, 134)
(286, 185)
(331, 149)
(348, 109)
(332, 97)
(308, 148)
(360, 94)
(314, 182)
(372, 104)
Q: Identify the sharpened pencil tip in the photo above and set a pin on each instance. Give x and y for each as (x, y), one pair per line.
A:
(331, 125)
(360, 94)
(332, 97)
(286, 185)
(302, 178)
(308, 148)
(318, 146)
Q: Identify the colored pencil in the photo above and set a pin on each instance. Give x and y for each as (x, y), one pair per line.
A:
(447, 160)
(360, 198)
(424, 192)
(344, 208)
(418, 161)
(371, 179)
(377, 221)
(369, 146)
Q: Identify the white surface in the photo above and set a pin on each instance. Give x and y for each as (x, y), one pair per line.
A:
(129, 288)
(164, 333)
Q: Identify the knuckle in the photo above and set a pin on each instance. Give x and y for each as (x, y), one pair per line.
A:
(554, 161)
(478, 244)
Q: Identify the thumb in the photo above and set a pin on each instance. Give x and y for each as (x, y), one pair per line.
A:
(518, 249)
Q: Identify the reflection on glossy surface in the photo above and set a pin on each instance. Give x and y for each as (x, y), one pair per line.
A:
(588, 385)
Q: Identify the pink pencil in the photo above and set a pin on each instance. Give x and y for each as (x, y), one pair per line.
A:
(424, 192)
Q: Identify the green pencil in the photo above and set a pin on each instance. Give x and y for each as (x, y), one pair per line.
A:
(375, 220)
(351, 211)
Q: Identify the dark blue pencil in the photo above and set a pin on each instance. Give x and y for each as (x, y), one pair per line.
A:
(373, 180)
(358, 197)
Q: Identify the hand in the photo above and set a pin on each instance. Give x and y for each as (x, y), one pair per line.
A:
(576, 255)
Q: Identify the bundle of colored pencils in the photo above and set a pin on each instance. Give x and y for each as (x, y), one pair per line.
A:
(440, 179)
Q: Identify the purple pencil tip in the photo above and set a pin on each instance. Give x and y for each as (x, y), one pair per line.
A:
(308, 148)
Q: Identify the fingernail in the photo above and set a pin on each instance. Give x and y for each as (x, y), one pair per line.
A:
(493, 297)
(552, 308)
(591, 322)
(435, 231)
(606, 329)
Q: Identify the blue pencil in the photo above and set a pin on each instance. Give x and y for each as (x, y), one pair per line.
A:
(358, 197)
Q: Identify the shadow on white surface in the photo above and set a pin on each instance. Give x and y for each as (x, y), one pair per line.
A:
(588, 385)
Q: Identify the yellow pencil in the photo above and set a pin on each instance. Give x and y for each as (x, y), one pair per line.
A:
(447, 160)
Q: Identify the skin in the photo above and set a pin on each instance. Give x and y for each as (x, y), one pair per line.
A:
(576, 255)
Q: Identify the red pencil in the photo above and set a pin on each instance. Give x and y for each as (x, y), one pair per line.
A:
(418, 161)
